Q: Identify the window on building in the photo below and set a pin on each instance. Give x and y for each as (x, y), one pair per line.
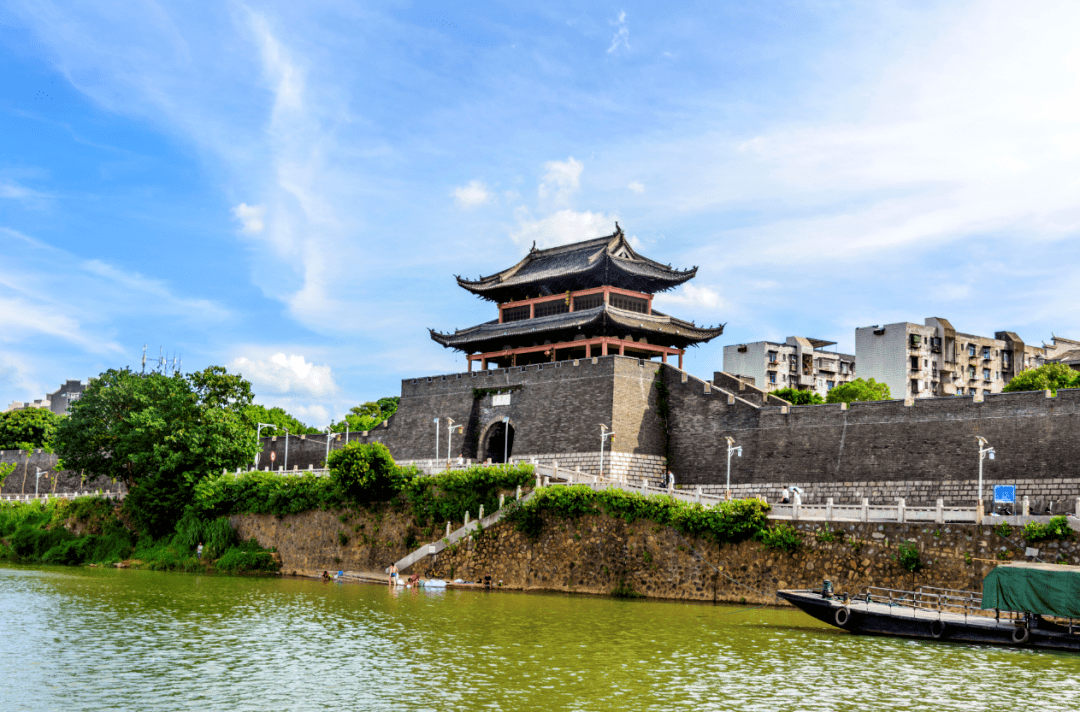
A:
(914, 363)
(971, 350)
(925, 362)
(592, 301)
(772, 357)
(772, 376)
(960, 391)
(633, 304)
(830, 385)
(986, 374)
(971, 372)
(516, 313)
(558, 306)
(986, 352)
(914, 386)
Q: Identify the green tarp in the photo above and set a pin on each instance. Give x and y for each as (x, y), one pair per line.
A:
(1047, 589)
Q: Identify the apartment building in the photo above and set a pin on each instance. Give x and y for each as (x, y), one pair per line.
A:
(800, 363)
(933, 359)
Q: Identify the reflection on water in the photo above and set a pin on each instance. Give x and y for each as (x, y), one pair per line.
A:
(92, 639)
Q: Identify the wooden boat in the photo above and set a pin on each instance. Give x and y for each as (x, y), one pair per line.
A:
(1022, 605)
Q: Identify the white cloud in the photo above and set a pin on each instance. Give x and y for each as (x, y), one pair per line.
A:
(637, 187)
(560, 228)
(560, 181)
(290, 375)
(690, 295)
(472, 195)
(251, 218)
(14, 191)
(622, 34)
(21, 319)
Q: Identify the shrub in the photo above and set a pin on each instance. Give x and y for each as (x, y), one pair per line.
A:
(726, 522)
(447, 496)
(1057, 528)
(248, 557)
(365, 472)
(781, 536)
(907, 555)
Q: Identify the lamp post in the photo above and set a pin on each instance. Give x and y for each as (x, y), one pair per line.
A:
(604, 435)
(436, 440)
(286, 450)
(449, 439)
(732, 449)
(327, 456)
(984, 451)
(506, 440)
(37, 478)
(258, 433)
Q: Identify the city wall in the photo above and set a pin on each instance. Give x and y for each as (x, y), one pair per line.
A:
(22, 480)
(922, 449)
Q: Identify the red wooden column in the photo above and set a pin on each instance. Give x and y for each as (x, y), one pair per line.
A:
(622, 349)
(588, 350)
(680, 360)
(605, 347)
(663, 356)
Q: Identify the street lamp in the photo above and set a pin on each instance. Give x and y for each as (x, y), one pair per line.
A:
(506, 440)
(984, 451)
(37, 478)
(732, 449)
(449, 438)
(286, 450)
(436, 440)
(327, 456)
(604, 435)
(258, 432)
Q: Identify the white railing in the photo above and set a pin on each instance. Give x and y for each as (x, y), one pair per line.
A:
(44, 496)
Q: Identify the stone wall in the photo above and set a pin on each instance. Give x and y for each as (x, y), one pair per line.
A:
(927, 446)
(21, 481)
(598, 554)
(311, 542)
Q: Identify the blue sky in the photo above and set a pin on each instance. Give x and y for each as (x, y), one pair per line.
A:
(288, 189)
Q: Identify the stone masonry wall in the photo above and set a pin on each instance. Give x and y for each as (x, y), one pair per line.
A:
(597, 554)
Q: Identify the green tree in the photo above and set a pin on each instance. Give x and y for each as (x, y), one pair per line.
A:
(1049, 377)
(859, 390)
(795, 396)
(367, 415)
(256, 414)
(159, 435)
(28, 429)
(366, 472)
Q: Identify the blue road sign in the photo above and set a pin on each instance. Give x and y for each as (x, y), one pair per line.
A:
(1004, 494)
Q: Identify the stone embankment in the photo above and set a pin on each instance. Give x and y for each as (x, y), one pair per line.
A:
(600, 555)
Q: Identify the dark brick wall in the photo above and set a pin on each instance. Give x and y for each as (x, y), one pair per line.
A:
(931, 440)
(21, 481)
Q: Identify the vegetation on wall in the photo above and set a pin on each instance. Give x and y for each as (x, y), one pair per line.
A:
(1049, 377)
(367, 415)
(1056, 529)
(794, 396)
(725, 523)
(28, 429)
(277, 417)
(859, 390)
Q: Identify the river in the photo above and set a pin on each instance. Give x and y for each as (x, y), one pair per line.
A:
(104, 639)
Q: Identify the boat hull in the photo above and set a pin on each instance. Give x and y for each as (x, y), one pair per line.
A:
(902, 621)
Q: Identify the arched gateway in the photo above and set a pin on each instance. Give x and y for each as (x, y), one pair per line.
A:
(499, 442)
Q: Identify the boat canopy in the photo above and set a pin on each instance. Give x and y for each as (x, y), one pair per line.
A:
(1046, 589)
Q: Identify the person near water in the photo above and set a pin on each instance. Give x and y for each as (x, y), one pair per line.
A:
(669, 479)
(785, 495)
(393, 574)
(198, 550)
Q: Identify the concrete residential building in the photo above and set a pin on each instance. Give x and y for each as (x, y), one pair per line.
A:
(933, 359)
(800, 363)
(58, 402)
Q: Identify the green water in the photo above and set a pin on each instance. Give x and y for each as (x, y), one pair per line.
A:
(92, 639)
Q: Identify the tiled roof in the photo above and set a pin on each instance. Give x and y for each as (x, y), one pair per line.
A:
(600, 261)
(602, 320)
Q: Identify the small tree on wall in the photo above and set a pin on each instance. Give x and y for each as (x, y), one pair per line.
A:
(796, 397)
(859, 390)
